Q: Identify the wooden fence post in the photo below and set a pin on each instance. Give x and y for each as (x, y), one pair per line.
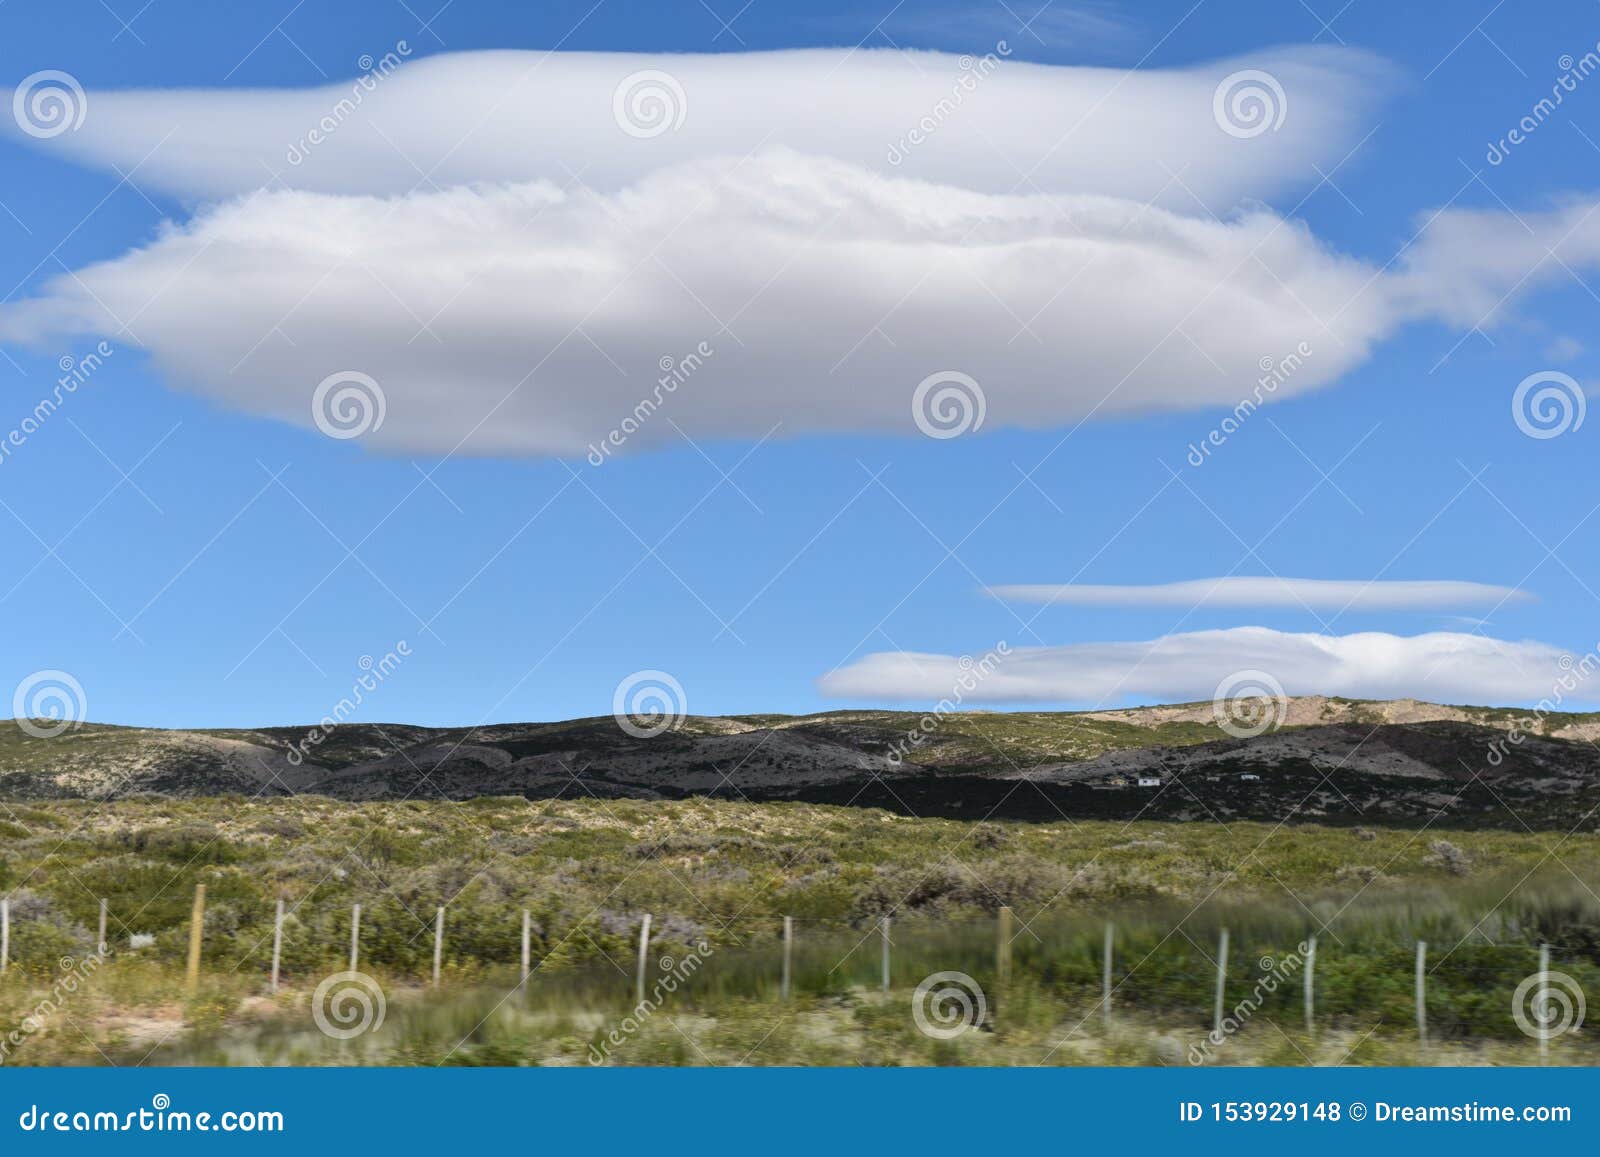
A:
(1222, 980)
(1422, 993)
(1004, 934)
(1105, 974)
(197, 919)
(788, 955)
(527, 945)
(438, 944)
(644, 957)
(1544, 987)
(355, 936)
(277, 944)
(1002, 948)
(886, 952)
(103, 913)
(5, 933)
(1311, 986)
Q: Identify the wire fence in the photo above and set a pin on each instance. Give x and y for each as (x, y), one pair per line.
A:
(1210, 969)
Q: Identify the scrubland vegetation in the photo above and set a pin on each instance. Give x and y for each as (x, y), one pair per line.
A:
(718, 878)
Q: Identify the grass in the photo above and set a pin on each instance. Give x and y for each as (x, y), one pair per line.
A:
(723, 875)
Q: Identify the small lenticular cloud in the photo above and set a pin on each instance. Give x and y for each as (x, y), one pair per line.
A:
(1317, 594)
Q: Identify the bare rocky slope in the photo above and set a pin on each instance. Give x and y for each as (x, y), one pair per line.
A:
(1326, 760)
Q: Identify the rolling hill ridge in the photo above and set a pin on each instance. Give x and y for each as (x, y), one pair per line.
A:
(1325, 760)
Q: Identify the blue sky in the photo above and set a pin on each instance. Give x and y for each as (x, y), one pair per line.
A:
(189, 561)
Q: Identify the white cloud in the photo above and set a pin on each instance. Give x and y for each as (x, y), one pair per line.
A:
(1443, 666)
(525, 313)
(520, 116)
(1269, 592)
(1469, 266)
(452, 300)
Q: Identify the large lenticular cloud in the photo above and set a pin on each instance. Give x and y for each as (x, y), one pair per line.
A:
(989, 123)
(526, 254)
(825, 294)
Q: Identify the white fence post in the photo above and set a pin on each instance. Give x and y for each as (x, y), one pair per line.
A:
(1544, 986)
(644, 957)
(527, 945)
(1422, 993)
(1105, 973)
(1222, 978)
(355, 936)
(788, 955)
(104, 909)
(277, 944)
(1311, 986)
(438, 944)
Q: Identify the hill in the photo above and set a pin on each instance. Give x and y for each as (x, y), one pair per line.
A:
(1329, 760)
